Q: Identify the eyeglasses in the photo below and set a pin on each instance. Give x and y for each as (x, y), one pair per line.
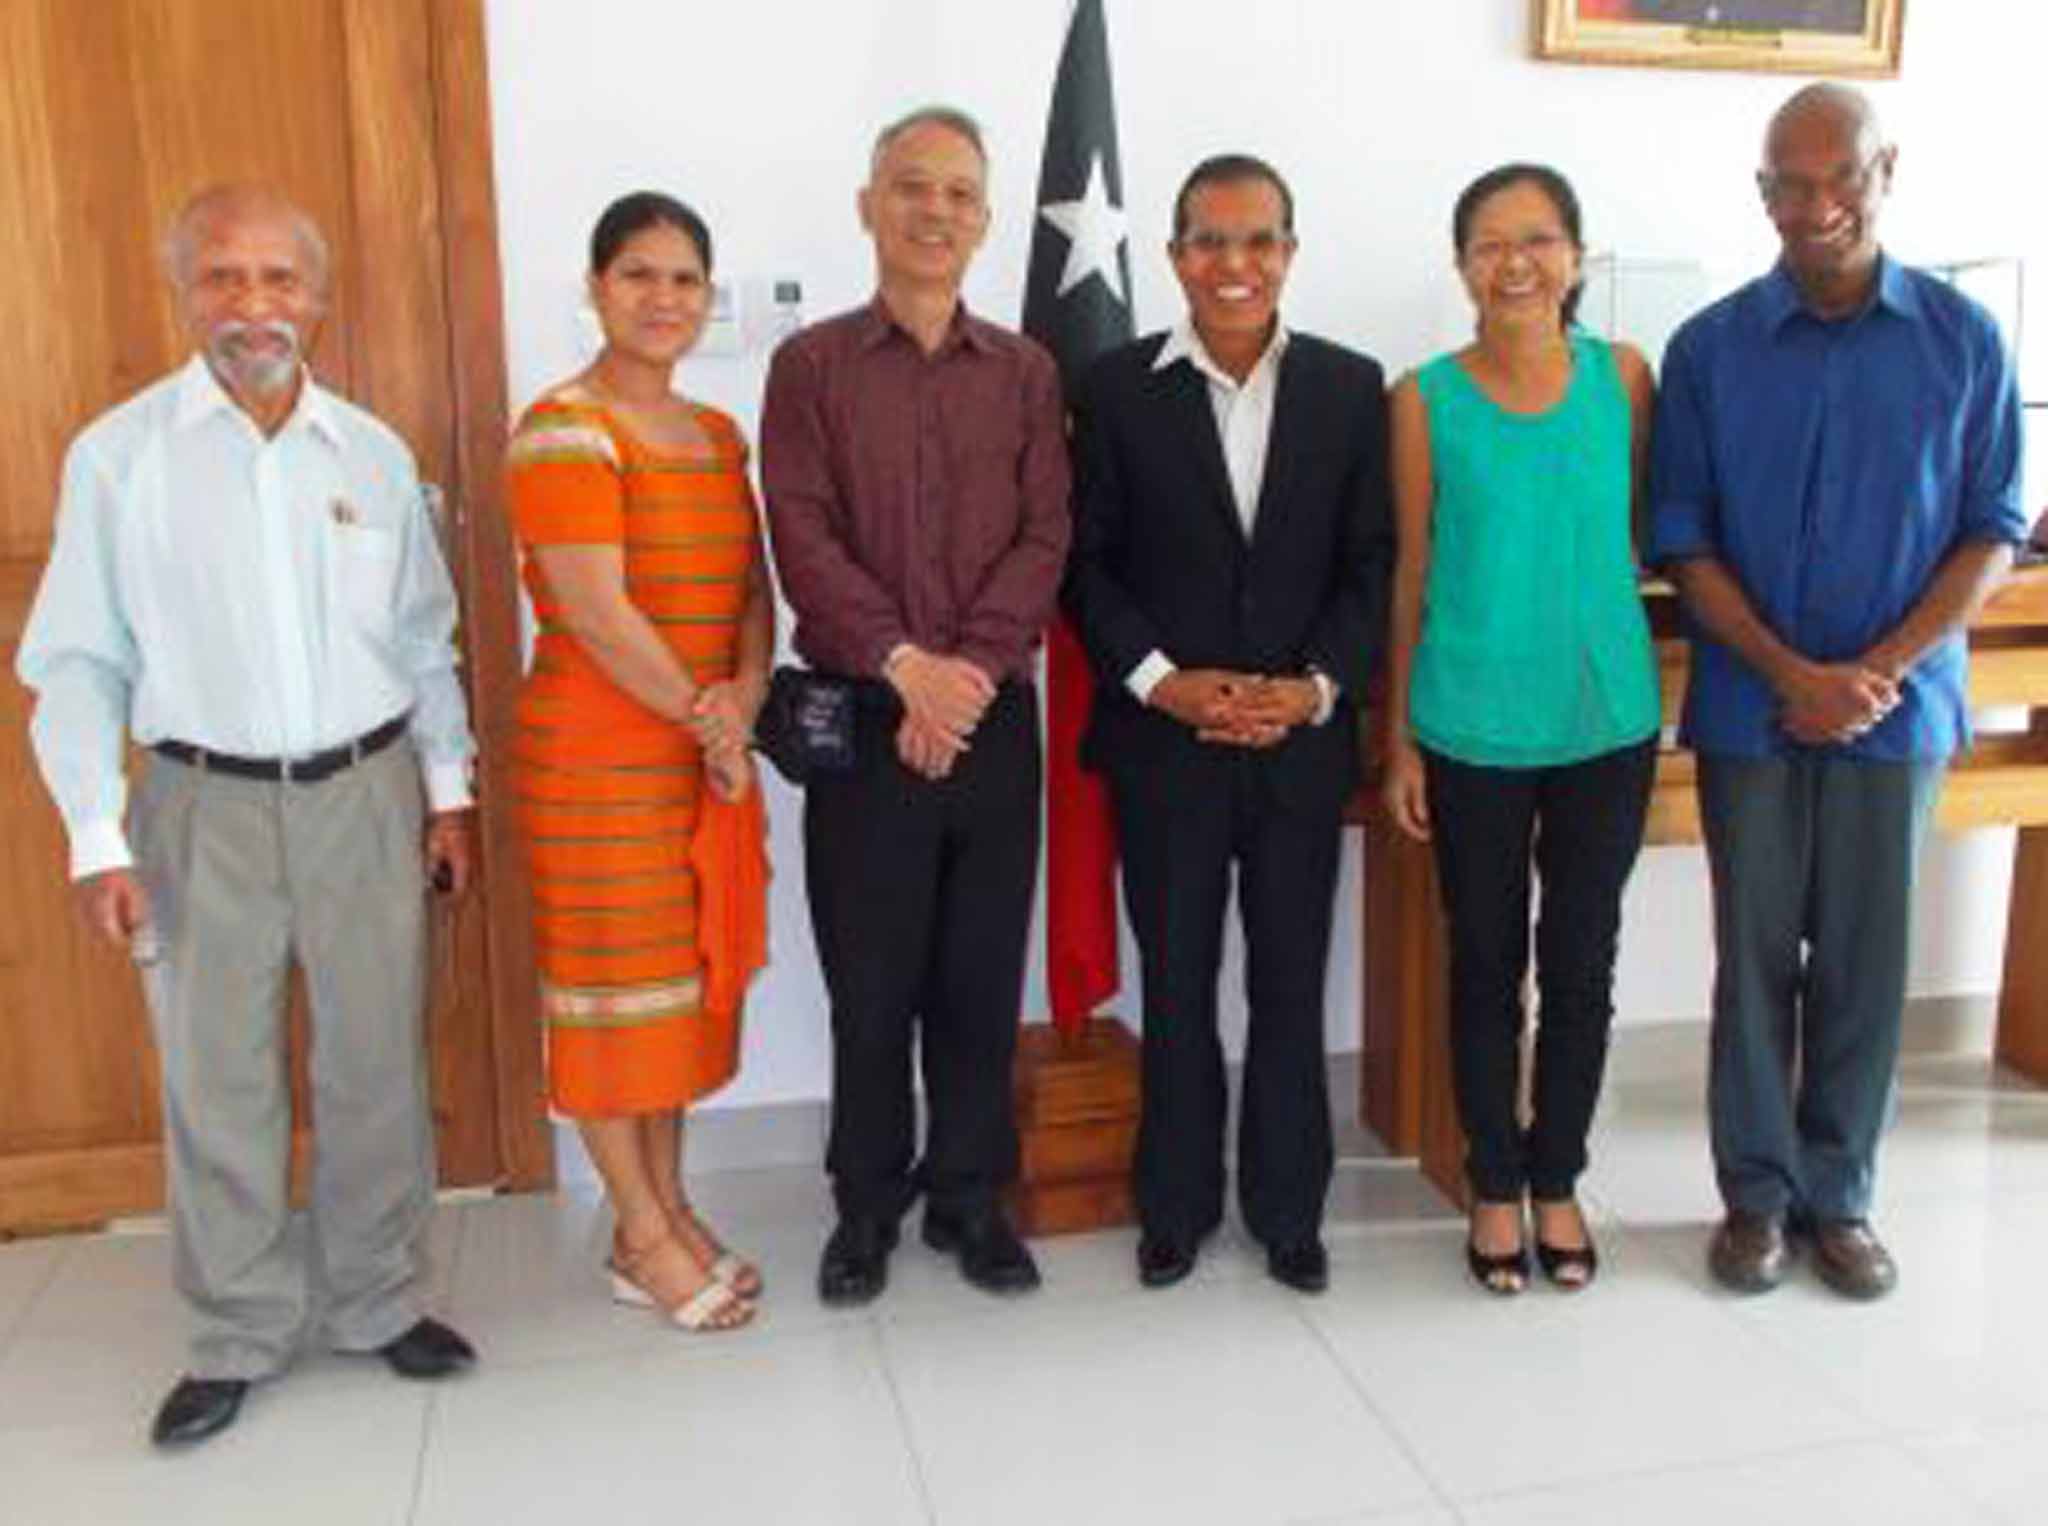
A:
(1531, 246)
(1800, 191)
(1214, 243)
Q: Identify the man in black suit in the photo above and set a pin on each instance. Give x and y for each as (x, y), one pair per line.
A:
(1231, 544)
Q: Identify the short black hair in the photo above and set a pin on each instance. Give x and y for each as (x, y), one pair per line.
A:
(1229, 169)
(1547, 180)
(636, 212)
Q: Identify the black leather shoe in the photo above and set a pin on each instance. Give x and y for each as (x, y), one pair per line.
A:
(197, 1408)
(992, 1258)
(1164, 1260)
(855, 1266)
(1747, 1253)
(428, 1350)
(1302, 1265)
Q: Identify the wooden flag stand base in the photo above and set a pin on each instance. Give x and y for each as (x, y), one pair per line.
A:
(1077, 1124)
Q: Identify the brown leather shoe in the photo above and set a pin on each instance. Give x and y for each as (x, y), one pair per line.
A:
(1852, 1260)
(1748, 1252)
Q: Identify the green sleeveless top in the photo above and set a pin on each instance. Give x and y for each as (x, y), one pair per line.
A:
(1534, 648)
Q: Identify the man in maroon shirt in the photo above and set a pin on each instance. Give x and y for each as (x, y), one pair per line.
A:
(915, 464)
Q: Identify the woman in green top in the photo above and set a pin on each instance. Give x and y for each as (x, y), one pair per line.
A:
(1524, 712)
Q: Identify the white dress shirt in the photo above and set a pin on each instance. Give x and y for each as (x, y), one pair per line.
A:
(269, 597)
(1244, 428)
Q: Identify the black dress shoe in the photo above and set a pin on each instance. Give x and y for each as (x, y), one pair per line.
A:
(992, 1258)
(855, 1266)
(1164, 1260)
(197, 1408)
(428, 1350)
(1301, 1264)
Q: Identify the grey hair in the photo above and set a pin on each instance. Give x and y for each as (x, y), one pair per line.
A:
(229, 200)
(952, 118)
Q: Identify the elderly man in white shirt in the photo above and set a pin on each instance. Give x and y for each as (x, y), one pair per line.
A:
(245, 581)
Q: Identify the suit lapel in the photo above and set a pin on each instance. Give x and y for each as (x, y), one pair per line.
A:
(1192, 418)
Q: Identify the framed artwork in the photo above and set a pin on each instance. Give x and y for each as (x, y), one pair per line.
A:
(1798, 36)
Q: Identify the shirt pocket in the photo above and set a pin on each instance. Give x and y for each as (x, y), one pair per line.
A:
(365, 562)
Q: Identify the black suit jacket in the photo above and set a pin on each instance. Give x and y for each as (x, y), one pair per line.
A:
(1161, 561)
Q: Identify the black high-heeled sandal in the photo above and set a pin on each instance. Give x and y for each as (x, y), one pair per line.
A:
(1503, 1276)
(1570, 1268)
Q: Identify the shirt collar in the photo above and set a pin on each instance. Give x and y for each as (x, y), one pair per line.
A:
(1183, 343)
(201, 396)
(878, 323)
(1894, 292)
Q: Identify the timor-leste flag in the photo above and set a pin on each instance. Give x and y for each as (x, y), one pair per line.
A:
(1077, 304)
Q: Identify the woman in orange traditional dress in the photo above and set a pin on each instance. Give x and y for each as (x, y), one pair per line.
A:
(655, 630)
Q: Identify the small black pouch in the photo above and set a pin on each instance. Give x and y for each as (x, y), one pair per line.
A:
(806, 725)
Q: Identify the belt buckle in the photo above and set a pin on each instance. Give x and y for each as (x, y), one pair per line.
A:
(284, 770)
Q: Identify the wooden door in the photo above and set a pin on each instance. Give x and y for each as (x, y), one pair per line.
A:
(372, 114)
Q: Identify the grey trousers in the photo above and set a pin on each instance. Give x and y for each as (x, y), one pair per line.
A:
(245, 878)
(1812, 859)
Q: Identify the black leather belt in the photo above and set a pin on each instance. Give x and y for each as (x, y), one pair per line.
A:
(310, 769)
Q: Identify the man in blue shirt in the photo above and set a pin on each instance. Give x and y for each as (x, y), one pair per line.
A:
(1836, 489)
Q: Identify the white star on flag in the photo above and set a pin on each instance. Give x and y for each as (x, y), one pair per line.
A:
(1094, 227)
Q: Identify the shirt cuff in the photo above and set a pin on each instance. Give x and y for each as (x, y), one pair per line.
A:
(448, 786)
(97, 846)
(1145, 677)
(1326, 695)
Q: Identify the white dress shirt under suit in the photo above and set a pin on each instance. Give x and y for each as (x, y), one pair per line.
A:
(1244, 427)
(268, 597)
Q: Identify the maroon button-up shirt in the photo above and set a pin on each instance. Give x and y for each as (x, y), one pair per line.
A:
(915, 498)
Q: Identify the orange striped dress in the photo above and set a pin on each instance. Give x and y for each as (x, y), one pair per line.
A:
(609, 791)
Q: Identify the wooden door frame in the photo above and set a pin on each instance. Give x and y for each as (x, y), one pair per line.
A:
(488, 571)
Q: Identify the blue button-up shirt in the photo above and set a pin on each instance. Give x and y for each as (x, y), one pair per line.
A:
(1832, 467)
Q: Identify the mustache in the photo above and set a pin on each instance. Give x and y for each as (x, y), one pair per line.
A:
(235, 330)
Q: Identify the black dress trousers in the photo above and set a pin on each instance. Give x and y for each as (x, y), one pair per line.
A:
(1179, 848)
(920, 895)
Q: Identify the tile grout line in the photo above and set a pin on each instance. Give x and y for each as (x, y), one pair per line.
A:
(1910, 1445)
(1352, 1381)
(28, 1305)
(419, 1467)
(1677, 1470)
(879, 1334)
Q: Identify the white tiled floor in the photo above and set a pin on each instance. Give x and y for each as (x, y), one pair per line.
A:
(1402, 1398)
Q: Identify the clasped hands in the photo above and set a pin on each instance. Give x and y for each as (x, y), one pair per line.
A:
(1834, 702)
(944, 699)
(1236, 709)
(722, 719)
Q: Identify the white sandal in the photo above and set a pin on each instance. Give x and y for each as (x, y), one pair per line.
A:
(702, 1313)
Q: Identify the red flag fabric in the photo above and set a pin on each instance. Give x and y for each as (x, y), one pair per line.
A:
(1080, 846)
(1077, 304)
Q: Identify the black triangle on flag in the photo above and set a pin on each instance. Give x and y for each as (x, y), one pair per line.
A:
(1077, 294)
(1077, 303)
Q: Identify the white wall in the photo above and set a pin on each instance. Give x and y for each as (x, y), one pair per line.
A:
(1377, 110)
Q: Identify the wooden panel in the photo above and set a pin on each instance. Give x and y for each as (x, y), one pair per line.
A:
(116, 110)
(2022, 600)
(2023, 1001)
(1092, 1077)
(1077, 1121)
(77, 1065)
(2008, 675)
(486, 574)
(75, 1189)
(398, 357)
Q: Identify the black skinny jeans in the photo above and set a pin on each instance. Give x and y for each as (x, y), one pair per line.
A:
(1580, 825)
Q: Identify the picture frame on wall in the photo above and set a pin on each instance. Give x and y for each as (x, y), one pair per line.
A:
(1843, 37)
